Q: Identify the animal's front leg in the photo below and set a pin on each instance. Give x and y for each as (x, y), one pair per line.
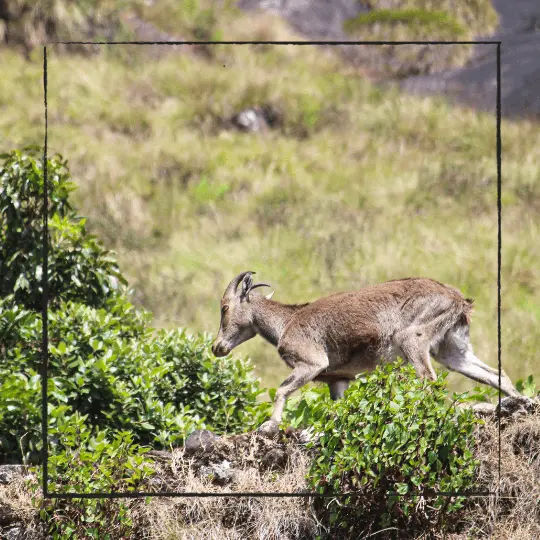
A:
(302, 373)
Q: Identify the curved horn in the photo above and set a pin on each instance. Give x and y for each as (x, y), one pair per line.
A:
(259, 285)
(233, 285)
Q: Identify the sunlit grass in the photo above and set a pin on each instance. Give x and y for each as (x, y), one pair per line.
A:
(356, 185)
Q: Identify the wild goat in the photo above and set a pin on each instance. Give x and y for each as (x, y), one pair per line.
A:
(334, 338)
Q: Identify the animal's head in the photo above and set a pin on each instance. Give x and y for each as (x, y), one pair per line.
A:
(236, 314)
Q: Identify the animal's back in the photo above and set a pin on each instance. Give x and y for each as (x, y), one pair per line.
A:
(366, 319)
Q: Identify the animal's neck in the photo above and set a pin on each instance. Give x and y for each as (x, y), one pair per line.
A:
(270, 318)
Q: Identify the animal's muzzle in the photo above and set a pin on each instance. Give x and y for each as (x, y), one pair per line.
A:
(219, 350)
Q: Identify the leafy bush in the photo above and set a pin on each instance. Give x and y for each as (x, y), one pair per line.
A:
(108, 365)
(393, 440)
(528, 387)
(79, 268)
(105, 360)
(304, 410)
(85, 461)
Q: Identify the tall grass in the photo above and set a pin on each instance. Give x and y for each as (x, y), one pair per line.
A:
(355, 184)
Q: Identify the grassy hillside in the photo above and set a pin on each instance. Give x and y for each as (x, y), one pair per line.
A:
(351, 185)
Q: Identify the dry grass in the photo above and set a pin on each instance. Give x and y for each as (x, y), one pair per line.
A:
(516, 513)
(214, 518)
(18, 498)
(512, 516)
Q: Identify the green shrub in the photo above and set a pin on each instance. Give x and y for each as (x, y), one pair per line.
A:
(105, 360)
(83, 460)
(527, 387)
(304, 410)
(393, 440)
(79, 268)
(108, 364)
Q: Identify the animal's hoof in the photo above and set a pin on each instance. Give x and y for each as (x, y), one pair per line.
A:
(270, 428)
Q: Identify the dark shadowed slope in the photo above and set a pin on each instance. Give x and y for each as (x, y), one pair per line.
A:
(473, 84)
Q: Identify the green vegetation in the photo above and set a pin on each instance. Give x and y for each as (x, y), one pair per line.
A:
(89, 462)
(417, 20)
(79, 268)
(27, 24)
(113, 383)
(392, 433)
(354, 185)
(528, 387)
(431, 21)
(105, 362)
(478, 17)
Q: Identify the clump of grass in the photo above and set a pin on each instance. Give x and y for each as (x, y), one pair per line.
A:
(514, 515)
(401, 20)
(477, 16)
(428, 21)
(231, 517)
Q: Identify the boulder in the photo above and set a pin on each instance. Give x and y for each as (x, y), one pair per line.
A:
(200, 440)
(517, 406)
(8, 473)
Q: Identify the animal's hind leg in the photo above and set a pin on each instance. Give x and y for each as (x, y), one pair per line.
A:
(456, 353)
(416, 352)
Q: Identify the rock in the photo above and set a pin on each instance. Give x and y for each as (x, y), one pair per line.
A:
(15, 532)
(7, 515)
(256, 119)
(483, 409)
(220, 473)
(269, 429)
(516, 406)
(201, 439)
(8, 473)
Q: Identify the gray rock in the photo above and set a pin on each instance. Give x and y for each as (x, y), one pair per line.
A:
(8, 473)
(220, 473)
(7, 515)
(201, 439)
(249, 120)
(483, 409)
(256, 119)
(15, 532)
(516, 406)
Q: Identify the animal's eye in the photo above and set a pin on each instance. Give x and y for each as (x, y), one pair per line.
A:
(224, 309)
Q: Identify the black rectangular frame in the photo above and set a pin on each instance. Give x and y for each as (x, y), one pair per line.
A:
(45, 250)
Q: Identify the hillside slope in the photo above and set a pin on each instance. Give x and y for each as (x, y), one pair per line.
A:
(346, 184)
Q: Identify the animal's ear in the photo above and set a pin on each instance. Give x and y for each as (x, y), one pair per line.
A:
(247, 283)
(269, 295)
